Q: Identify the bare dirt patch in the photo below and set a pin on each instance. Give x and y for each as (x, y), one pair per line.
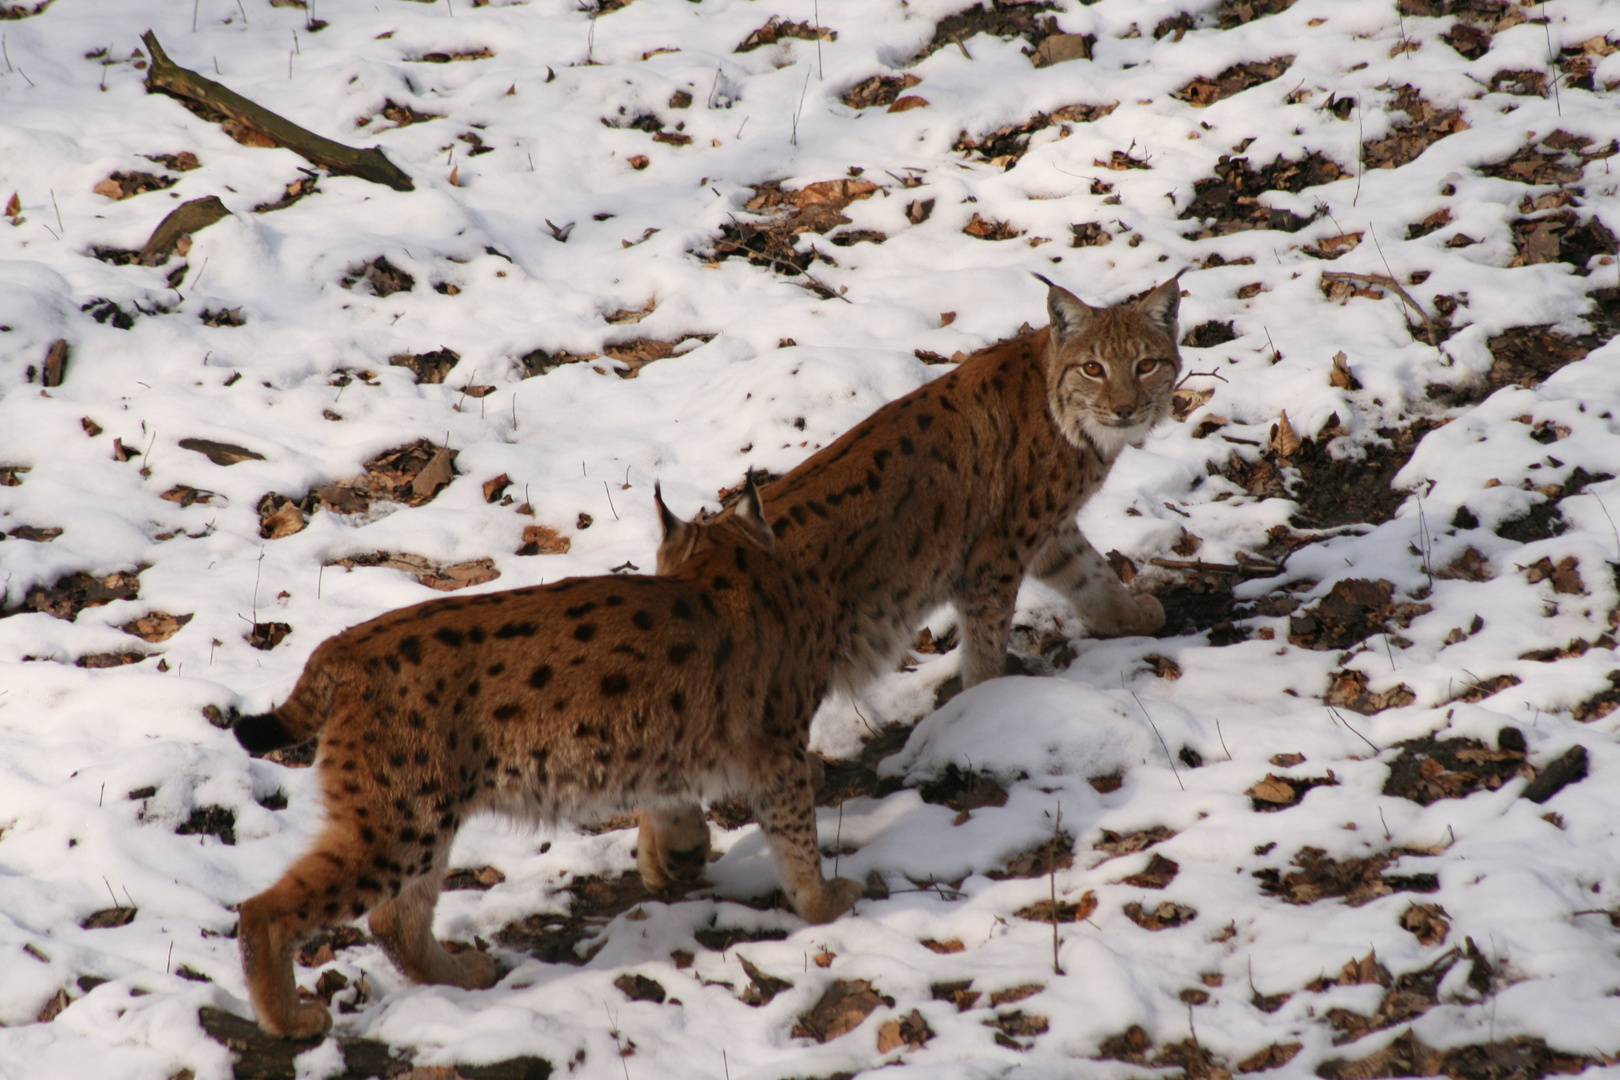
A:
(1229, 201)
(1204, 92)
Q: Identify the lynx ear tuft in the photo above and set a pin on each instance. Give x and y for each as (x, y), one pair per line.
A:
(1162, 304)
(668, 524)
(751, 511)
(1068, 312)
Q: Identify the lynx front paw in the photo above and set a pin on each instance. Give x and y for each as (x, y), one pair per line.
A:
(471, 969)
(672, 848)
(306, 1020)
(1151, 613)
(837, 896)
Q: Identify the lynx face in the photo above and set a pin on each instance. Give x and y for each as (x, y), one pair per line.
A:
(582, 698)
(1112, 370)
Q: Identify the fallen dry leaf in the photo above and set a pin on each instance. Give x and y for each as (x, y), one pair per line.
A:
(840, 1009)
(543, 540)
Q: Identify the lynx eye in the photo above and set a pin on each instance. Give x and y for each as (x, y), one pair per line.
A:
(1092, 368)
(1143, 367)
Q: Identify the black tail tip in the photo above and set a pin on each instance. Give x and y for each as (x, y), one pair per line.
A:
(262, 733)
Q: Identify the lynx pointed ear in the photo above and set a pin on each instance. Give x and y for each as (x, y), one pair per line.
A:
(1068, 312)
(1162, 303)
(669, 525)
(751, 512)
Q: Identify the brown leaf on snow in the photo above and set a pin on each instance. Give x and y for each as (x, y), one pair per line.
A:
(221, 453)
(1353, 610)
(775, 30)
(1158, 873)
(544, 540)
(1113, 845)
(1356, 880)
(879, 90)
(1427, 923)
(1565, 575)
(156, 626)
(495, 486)
(434, 475)
(840, 1009)
(279, 517)
(909, 102)
(1471, 565)
(429, 367)
(1272, 789)
(1164, 917)
(1042, 910)
(1272, 1057)
(1284, 442)
(1203, 92)
(910, 1031)
(73, 593)
(1348, 690)
(986, 229)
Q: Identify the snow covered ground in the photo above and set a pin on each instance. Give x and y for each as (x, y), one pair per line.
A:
(1289, 834)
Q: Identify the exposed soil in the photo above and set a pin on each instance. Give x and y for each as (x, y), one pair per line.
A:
(1425, 125)
(429, 367)
(1203, 92)
(1003, 20)
(1228, 202)
(68, 596)
(268, 1057)
(1333, 492)
(382, 277)
(1005, 145)
(1207, 335)
(555, 939)
(217, 821)
(1356, 881)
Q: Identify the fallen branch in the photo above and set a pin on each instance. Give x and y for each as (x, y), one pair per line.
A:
(187, 218)
(1389, 283)
(211, 100)
(1248, 568)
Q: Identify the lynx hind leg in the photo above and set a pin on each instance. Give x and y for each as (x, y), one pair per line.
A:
(1068, 563)
(323, 887)
(672, 847)
(785, 808)
(404, 927)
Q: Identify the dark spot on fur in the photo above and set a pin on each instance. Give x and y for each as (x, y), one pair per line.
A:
(515, 630)
(881, 459)
(872, 481)
(681, 609)
(474, 687)
(923, 420)
(723, 652)
(740, 557)
(476, 635)
(798, 514)
(614, 601)
(540, 676)
(721, 583)
(495, 669)
(708, 603)
(416, 720)
(643, 620)
(677, 701)
(680, 651)
(507, 711)
(393, 665)
(615, 684)
(584, 631)
(421, 758)
(580, 609)
(815, 508)
(411, 649)
(452, 638)
(907, 447)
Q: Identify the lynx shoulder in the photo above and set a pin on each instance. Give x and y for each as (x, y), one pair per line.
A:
(959, 489)
(574, 700)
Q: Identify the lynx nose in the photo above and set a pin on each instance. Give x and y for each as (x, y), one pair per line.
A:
(1125, 411)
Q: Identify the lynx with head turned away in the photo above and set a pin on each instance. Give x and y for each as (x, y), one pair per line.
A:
(959, 489)
(574, 700)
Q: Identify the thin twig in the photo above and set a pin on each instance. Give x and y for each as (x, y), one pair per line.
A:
(1388, 283)
(1361, 150)
(1167, 755)
(1552, 77)
(1218, 735)
(821, 288)
(610, 500)
(794, 140)
(1340, 718)
(1051, 875)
